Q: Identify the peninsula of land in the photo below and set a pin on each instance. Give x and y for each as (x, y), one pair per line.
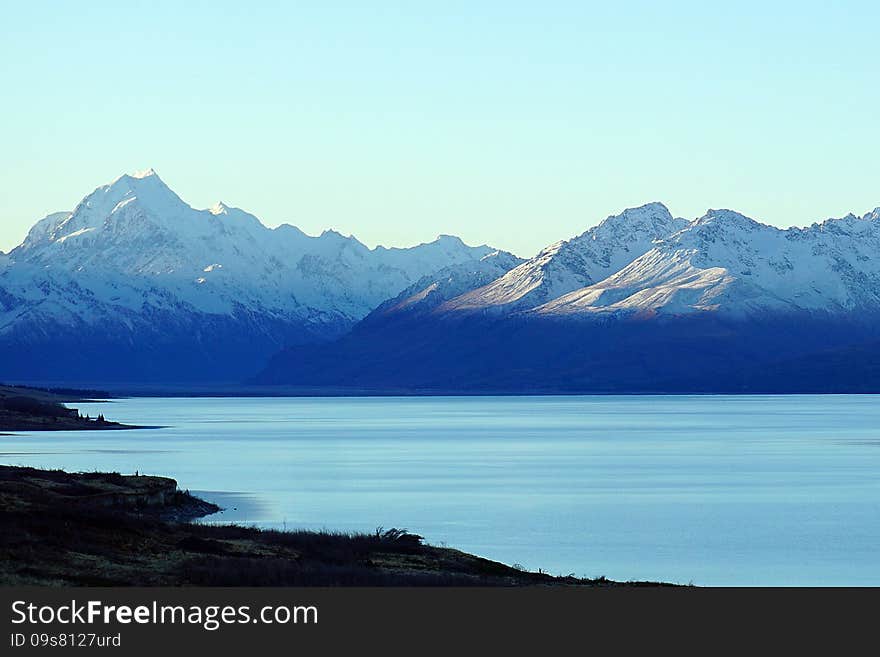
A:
(108, 529)
(32, 409)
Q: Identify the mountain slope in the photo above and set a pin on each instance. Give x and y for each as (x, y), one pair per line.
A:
(135, 284)
(569, 265)
(433, 290)
(723, 305)
(730, 264)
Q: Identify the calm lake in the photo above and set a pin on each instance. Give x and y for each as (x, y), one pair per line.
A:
(748, 490)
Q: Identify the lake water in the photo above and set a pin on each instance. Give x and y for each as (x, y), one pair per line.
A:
(748, 490)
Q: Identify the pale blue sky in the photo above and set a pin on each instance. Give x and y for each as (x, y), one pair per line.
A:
(511, 123)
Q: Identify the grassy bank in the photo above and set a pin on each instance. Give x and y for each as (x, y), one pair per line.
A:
(107, 529)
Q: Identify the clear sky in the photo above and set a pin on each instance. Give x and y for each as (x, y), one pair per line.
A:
(511, 123)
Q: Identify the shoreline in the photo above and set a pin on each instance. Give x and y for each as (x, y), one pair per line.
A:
(244, 390)
(6, 430)
(109, 529)
(31, 409)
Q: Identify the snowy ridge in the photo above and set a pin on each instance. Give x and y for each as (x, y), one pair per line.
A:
(570, 265)
(728, 263)
(136, 286)
(433, 290)
(720, 304)
(135, 244)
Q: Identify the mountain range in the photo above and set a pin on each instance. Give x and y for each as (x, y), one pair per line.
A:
(134, 286)
(643, 302)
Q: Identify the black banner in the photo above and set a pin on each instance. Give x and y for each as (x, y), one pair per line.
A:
(412, 621)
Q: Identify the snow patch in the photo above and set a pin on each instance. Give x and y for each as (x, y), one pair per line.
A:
(122, 204)
(76, 233)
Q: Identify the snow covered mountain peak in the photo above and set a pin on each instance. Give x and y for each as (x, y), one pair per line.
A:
(129, 204)
(723, 231)
(726, 262)
(568, 265)
(133, 246)
(632, 228)
(335, 234)
(652, 215)
(449, 239)
(145, 173)
(730, 219)
(874, 215)
(145, 183)
(219, 208)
